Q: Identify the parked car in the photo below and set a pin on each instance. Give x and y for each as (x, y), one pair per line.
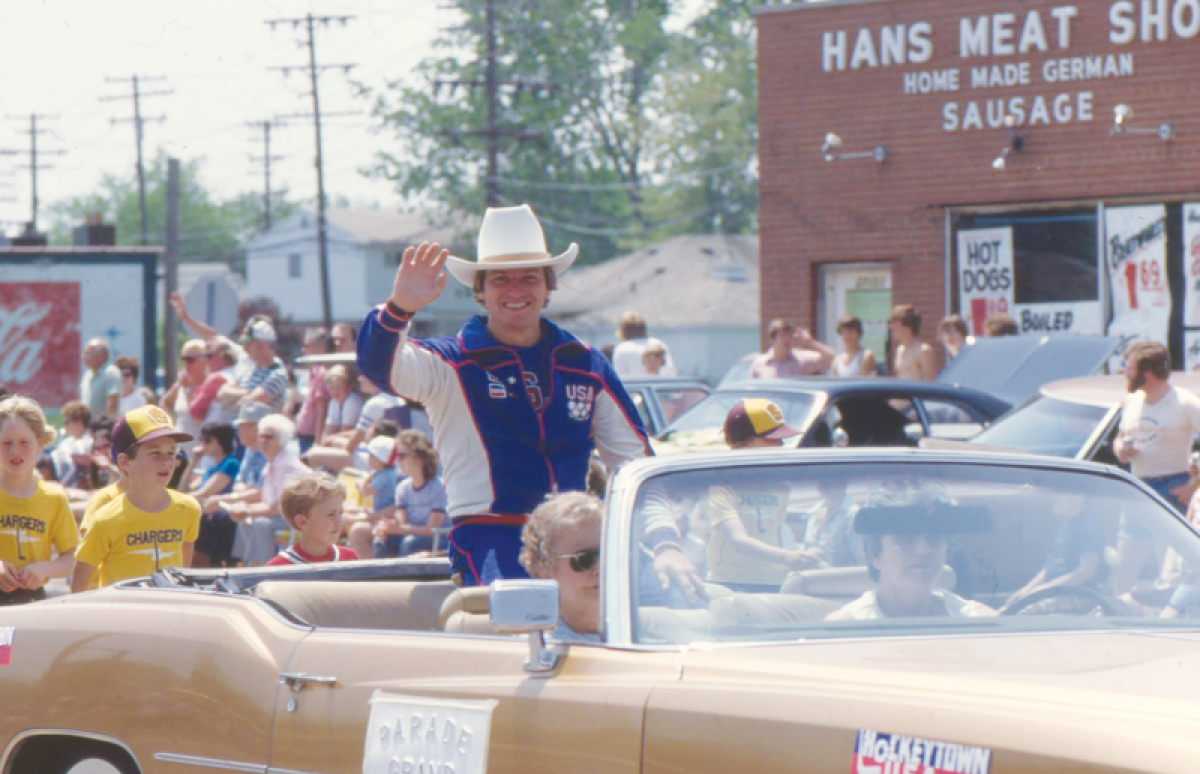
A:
(845, 412)
(335, 669)
(1073, 418)
(660, 399)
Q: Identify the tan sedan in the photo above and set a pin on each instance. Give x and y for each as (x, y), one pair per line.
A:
(956, 618)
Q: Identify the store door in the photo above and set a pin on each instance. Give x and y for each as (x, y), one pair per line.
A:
(863, 290)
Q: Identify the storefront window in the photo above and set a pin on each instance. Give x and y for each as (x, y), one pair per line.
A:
(1039, 267)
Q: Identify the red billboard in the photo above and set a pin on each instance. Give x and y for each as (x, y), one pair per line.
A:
(40, 341)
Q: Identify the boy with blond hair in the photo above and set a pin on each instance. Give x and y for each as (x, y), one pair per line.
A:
(150, 526)
(312, 505)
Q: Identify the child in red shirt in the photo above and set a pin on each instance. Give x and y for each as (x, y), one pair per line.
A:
(312, 505)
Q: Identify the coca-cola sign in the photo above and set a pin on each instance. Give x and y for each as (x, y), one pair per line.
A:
(39, 340)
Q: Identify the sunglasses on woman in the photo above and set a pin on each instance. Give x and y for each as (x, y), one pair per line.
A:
(582, 561)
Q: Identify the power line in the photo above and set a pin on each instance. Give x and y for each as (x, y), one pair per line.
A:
(493, 132)
(138, 122)
(309, 22)
(616, 186)
(34, 166)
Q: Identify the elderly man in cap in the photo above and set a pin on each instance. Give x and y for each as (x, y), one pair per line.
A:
(260, 376)
(100, 387)
(517, 403)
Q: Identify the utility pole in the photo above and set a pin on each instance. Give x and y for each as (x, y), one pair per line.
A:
(34, 166)
(138, 122)
(310, 22)
(171, 270)
(493, 132)
(266, 160)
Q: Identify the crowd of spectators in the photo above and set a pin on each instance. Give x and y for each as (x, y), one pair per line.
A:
(252, 458)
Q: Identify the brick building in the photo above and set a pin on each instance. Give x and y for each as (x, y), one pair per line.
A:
(1031, 157)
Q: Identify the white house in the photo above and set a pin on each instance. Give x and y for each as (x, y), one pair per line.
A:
(699, 294)
(364, 247)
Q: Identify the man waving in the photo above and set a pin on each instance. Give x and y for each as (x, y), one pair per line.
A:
(517, 404)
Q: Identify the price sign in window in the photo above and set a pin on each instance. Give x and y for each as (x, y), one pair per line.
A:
(1136, 259)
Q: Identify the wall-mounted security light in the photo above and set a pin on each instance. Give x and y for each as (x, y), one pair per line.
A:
(1016, 142)
(1121, 115)
(832, 151)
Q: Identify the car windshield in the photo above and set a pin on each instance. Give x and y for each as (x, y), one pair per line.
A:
(703, 422)
(800, 550)
(1049, 426)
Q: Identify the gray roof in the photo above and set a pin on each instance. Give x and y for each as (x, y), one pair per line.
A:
(686, 280)
(389, 227)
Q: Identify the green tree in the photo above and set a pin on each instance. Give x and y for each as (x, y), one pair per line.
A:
(709, 126)
(210, 229)
(642, 133)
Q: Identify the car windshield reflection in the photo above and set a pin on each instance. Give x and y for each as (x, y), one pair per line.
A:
(1047, 426)
(793, 550)
(703, 422)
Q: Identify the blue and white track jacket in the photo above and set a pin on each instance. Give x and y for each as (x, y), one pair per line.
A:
(500, 455)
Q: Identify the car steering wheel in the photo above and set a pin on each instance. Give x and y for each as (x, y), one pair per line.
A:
(1108, 605)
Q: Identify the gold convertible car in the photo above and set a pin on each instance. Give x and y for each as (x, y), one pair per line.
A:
(871, 612)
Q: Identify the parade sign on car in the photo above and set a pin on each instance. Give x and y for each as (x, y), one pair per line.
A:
(410, 734)
(880, 753)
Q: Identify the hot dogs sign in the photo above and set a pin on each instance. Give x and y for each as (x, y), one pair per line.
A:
(985, 275)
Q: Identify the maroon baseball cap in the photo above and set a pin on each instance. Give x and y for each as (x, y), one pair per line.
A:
(141, 425)
(756, 418)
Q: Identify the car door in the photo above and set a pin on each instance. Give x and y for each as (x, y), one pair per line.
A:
(586, 715)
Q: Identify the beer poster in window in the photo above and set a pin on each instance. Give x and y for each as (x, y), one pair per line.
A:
(1136, 259)
(1191, 265)
(985, 274)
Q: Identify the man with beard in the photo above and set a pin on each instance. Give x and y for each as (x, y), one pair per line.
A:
(1158, 422)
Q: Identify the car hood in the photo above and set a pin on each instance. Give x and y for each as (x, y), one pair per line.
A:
(1124, 672)
(1015, 367)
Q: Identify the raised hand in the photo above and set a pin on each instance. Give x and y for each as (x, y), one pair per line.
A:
(421, 278)
(178, 304)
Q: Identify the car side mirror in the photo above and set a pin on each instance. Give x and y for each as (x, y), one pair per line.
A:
(531, 606)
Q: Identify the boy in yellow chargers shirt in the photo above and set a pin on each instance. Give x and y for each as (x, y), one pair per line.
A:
(149, 527)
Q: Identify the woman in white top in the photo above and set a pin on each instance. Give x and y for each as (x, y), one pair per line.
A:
(854, 361)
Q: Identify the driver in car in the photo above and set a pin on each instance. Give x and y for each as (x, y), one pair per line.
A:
(906, 547)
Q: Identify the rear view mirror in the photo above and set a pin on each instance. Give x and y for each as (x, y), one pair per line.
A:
(523, 605)
(527, 606)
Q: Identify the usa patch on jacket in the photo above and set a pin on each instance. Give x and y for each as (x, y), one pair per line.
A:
(580, 398)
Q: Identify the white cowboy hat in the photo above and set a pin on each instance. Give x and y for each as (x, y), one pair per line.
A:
(510, 238)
